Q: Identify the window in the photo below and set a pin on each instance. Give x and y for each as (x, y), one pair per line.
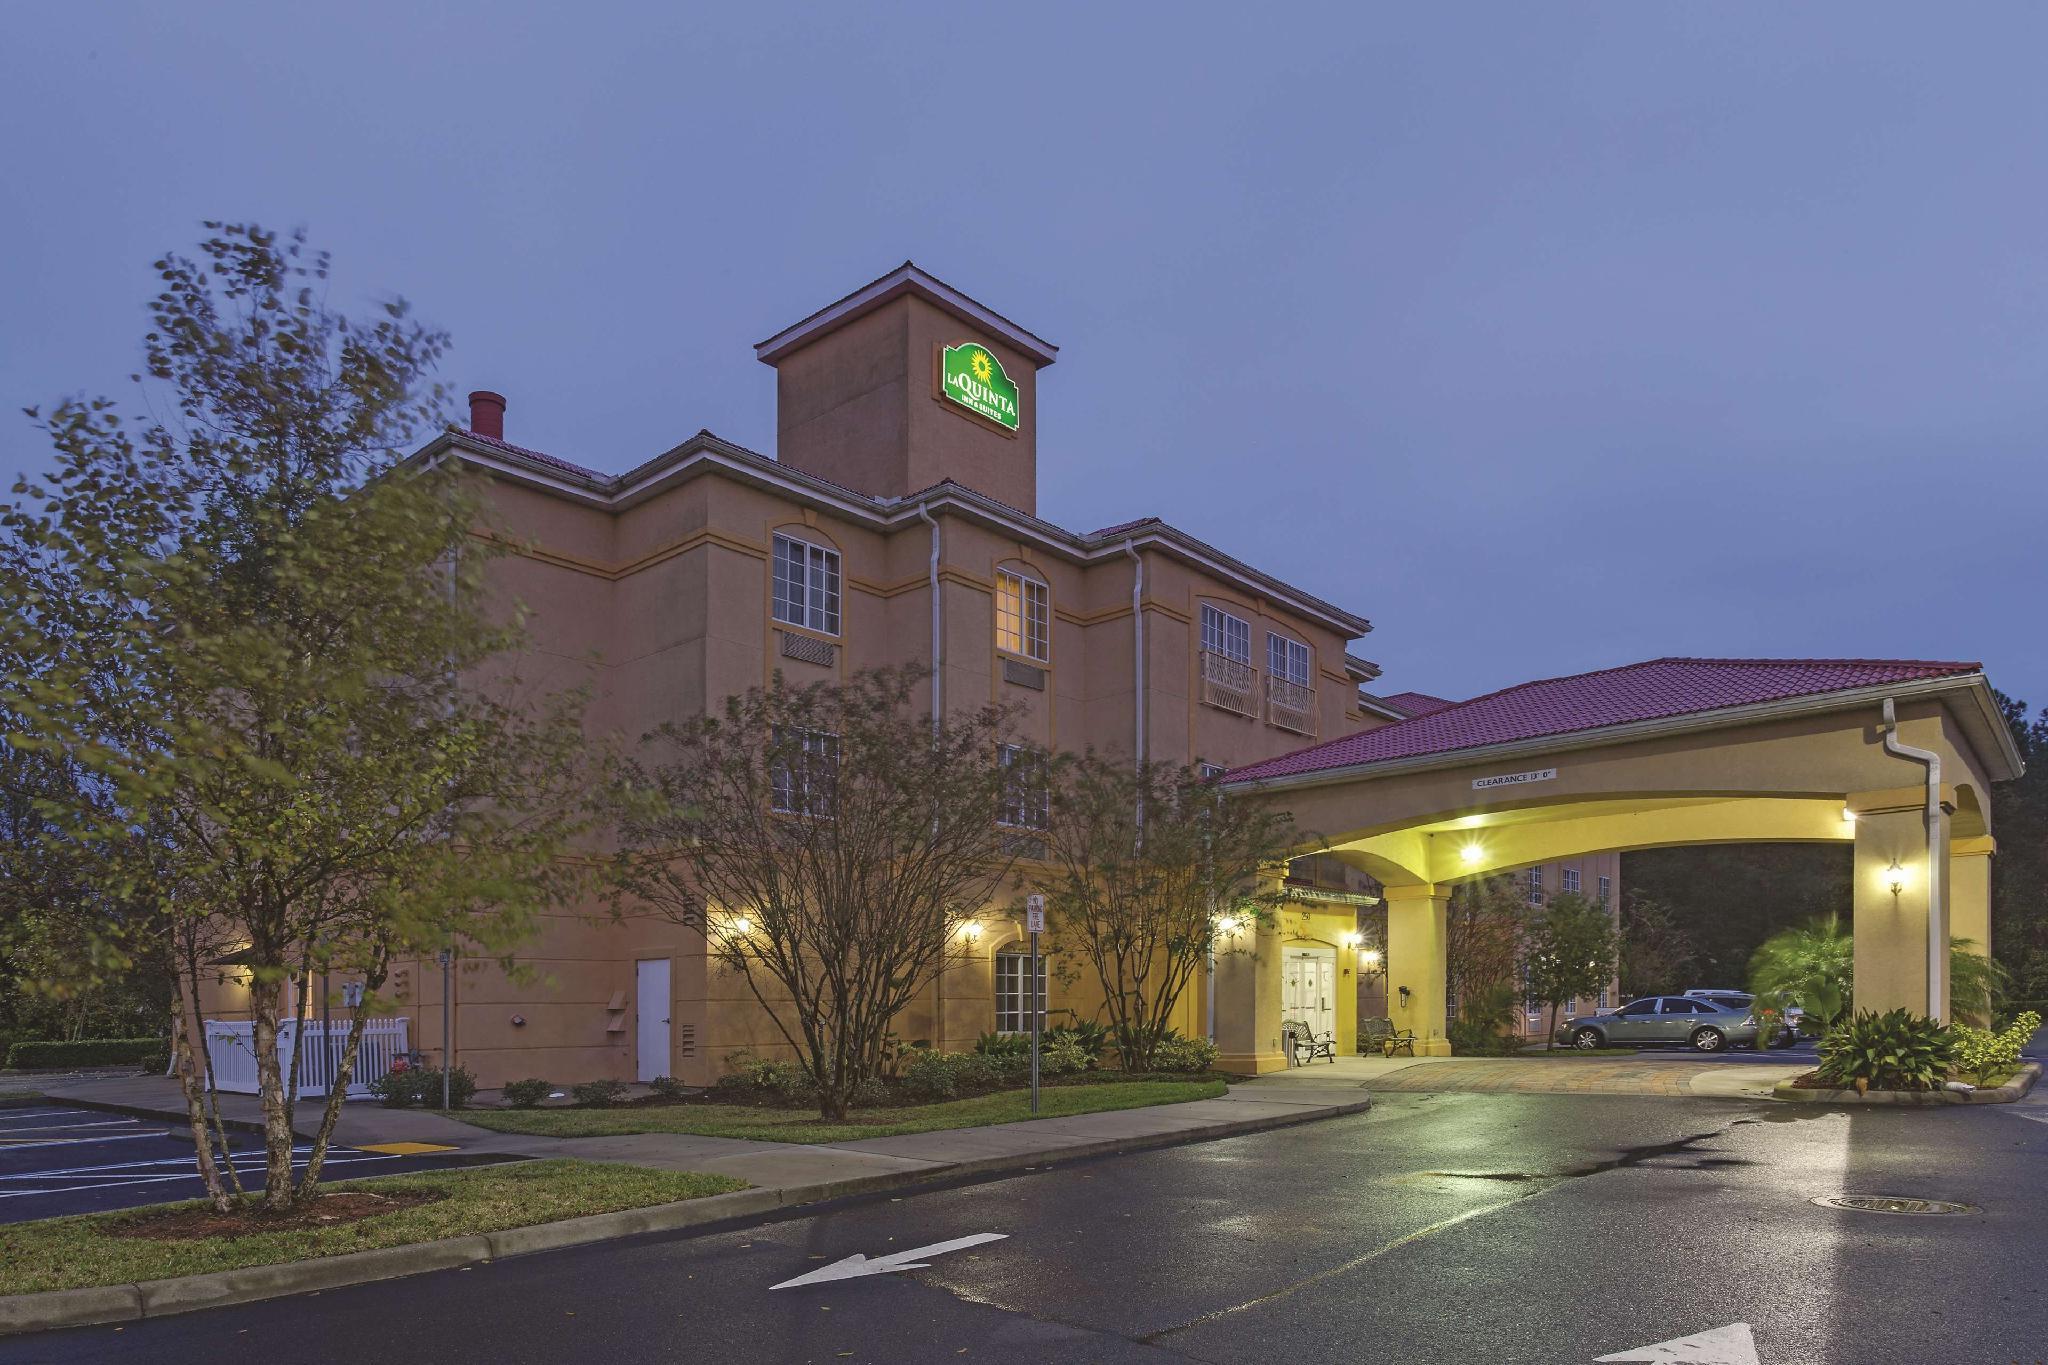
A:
(1568, 879)
(1027, 794)
(1535, 886)
(1606, 885)
(1013, 991)
(806, 585)
(1677, 1004)
(1021, 616)
(1603, 999)
(804, 773)
(1226, 635)
(1287, 659)
(1641, 1008)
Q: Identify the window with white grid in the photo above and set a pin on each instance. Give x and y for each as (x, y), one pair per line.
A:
(1013, 991)
(1022, 620)
(1568, 879)
(1226, 635)
(1027, 795)
(803, 774)
(1606, 889)
(806, 584)
(1286, 659)
(1535, 886)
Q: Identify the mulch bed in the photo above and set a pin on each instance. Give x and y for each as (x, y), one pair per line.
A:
(896, 1098)
(327, 1210)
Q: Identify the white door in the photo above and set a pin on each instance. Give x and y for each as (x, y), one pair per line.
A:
(652, 999)
(1309, 988)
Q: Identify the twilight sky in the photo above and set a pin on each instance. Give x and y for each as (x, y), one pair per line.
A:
(1548, 337)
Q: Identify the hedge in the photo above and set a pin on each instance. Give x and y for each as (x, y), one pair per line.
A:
(84, 1052)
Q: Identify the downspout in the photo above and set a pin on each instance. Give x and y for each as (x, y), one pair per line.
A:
(932, 588)
(932, 580)
(1138, 652)
(1896, 747)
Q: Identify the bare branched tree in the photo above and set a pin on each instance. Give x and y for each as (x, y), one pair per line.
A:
(1144, 862)
(830, 842)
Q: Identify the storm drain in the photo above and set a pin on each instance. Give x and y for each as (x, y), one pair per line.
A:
(1888, 1203)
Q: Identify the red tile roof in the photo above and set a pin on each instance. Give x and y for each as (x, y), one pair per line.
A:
(1591, 701)
(540, 455)
(1415, 703)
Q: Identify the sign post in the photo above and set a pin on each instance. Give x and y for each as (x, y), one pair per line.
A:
(1034, 924)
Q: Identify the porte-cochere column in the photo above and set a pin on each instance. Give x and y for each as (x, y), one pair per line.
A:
(1969, 895)
(1418, 961)
(1891, 901)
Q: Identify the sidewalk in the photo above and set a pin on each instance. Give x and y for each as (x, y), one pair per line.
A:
(805, 1172)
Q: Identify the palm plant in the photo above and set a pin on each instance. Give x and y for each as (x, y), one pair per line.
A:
(1812, 966)
(1973, 980)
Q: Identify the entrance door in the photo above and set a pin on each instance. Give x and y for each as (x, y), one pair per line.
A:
(1309, 988)
(652, 998)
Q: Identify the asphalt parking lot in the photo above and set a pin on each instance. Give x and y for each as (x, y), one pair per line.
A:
(57, 1160)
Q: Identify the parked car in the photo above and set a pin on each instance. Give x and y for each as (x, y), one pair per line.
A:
(1787, 1035)
(1667, 1020)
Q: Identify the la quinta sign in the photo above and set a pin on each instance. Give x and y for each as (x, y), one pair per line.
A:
(970, 375)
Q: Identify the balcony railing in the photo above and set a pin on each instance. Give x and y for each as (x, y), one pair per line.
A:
(1229, 684)
(1291, 706)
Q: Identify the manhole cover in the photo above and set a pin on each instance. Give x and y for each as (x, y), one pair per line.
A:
(1888, 1203)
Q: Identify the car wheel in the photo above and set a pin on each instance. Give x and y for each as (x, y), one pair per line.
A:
(1586, 1039)
(1709, 1040)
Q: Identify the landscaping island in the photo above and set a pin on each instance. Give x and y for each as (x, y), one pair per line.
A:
(168, 1240)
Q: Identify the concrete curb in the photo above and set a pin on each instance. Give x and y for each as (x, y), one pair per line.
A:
(160, 1298)
(2022, 1081)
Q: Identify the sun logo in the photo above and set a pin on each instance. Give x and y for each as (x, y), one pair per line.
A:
(979, 363)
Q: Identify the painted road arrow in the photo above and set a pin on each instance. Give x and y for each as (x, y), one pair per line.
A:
(1730, 1345)
(858, 1264)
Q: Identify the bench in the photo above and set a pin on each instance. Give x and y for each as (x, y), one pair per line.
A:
(1299, 1038)
(1380, 1035)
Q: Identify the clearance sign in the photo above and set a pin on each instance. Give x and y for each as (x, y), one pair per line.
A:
(971, 376)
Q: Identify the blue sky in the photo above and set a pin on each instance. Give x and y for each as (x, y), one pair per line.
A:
(1548, 337)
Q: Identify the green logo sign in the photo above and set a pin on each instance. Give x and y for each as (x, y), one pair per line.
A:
(974, 378)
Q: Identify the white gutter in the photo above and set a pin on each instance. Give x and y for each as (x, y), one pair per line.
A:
(938, 656)
(1898, 748)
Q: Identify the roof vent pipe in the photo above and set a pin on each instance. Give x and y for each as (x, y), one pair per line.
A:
(487, 414)
(1936, 948)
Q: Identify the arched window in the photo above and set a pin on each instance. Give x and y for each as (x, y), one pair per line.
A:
(1013, 990)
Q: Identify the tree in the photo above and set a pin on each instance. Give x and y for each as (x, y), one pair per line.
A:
(1656, 952)
(1731, 897)
(1484, 922)
(2019, 879)
(1570, 952)
(831, 843)
(1144, 862)
(267, 649)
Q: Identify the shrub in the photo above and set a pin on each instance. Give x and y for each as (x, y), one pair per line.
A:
(668, 1087)
(399, 1089)
(527, 1093)
(1898, 1050)
(1184, 1054)
(785, 1080)
(1093, 1037)
(1982, 1056)
(930, 1076)
(157, 1063)
(26, 1056)
(422, 1085)
(1064, 1056)
(598, 1094)
(1003, 1044)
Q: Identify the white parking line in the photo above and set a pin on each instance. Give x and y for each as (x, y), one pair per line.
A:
(69, 1127)
(75, 1142)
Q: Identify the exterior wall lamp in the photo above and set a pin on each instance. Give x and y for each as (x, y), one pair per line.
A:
(1404, 996)
(1895, 878)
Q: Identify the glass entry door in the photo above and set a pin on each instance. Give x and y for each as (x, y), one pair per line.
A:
(1308, 990)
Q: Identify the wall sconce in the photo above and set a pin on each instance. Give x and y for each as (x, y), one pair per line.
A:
(1895, 878)
(741, 925)
(971, 930)
(1350, 940)
(1227, 925)
(1371, 959)
(1404, 997)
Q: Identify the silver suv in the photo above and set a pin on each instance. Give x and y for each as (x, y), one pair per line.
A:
(1667, 1020)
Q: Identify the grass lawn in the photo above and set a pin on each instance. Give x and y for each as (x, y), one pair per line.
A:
(789, 1125)
(68, 1253)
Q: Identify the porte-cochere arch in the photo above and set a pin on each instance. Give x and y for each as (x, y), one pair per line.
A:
(1668, 752)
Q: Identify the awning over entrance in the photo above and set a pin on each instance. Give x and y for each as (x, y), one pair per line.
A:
(1675, 751)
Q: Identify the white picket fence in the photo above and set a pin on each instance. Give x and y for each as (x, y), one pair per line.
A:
(231, 1046)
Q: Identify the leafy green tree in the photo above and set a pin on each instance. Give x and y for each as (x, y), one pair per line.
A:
(1656, 952)
(1484, 925)
(1143, 864)
(265, 647)
(831, 844)
(2019, 877)
(1569, 951)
